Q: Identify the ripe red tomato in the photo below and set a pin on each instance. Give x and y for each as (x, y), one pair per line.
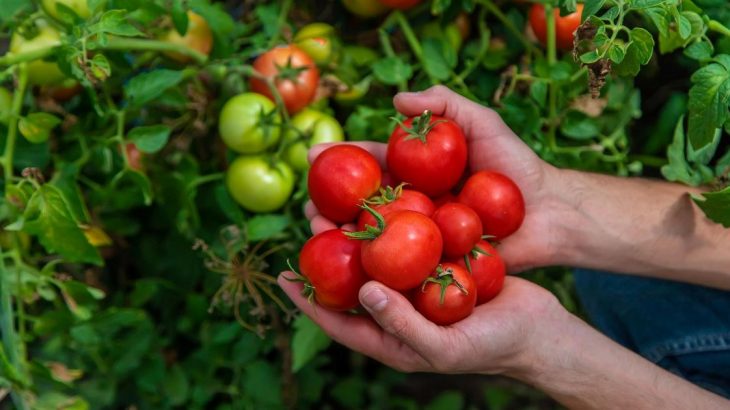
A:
(460, 228)
(446, 297)
(402, 251)
(331, 263)
(400, 4)
(339, 180)
(397, 199)
(428, 152)
(564, 26)
(487, 269)
(295, 76)
(497, 200)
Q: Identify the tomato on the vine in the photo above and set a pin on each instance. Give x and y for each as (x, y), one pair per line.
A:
(259, 183)
(40, 72)
(400, 4)
(565, 26)
(428, 152)
(135, 157)
(402, 250)
(294, 74)
(460, 227)
(249, 123)
(446, 297)
(199, 37)
(319, 41)
(365, 8)
(340, 179)
(487, 269)
(330, 262)
(395, 199)
(497, 200)
(80, 7)
(310, 128)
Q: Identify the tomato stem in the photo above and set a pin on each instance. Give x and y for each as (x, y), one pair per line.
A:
(370, 232)
(718, 27)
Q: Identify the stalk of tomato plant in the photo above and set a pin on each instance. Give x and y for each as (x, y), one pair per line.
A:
(552, 59)
(412, 41)
(389, 52)
(283, 13)
(718, 27)
(18, 95)
(7, 328)
(489, 4)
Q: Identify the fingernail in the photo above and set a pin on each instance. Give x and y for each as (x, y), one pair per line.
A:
(375, 300)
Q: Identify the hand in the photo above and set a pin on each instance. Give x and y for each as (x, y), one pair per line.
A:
(494, 146)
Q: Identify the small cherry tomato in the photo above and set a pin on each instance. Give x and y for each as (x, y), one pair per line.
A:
(40, 72)
(395, 199)
(564, 26)
(199, 37)
(341, 178)
(402, 250)
(428, 152)
(294, 73)
(319, 41)
(260, 184)
(249, 123)
(312, 128)
(135, 157)
(330, 262)
(497, 200)
(446, 297)
(460, 227)
(487, 268)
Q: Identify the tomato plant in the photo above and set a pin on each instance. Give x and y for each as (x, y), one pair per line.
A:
(249, 123)
(497, 200)
(487, 269)
(446, 297)
(395, 199)
(460, 228)
(293, 73)
(260, 184)
(39, 72)
(310, 127)
(565, 26)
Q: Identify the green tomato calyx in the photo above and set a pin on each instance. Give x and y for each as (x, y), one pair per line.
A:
(444, 278)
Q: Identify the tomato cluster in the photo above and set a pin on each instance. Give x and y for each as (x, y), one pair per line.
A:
(426, 238)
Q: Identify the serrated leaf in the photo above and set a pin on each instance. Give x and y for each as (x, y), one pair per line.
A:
(590, 57)
(36, 127)
(392, 70)
(115, 22)
(48, 216)
(611, 13)
(684, 26)
(308, 340)
(638, 53)
(591, 7)
(616, 53)
(100, 67)
(577, 125)
(149, 139)
(262, 227)
(699, 51)
(438, 58)
(715, 205)
(708, 103)
(677, 169)
(659, 17)
(538, 92)
(147, 86)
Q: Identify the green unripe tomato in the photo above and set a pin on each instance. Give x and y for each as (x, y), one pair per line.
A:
(365, 8)
(314, 128)
(319, 41)
(259, 183)
(40, 72)
(249, 123)
(80, 7)
(6, 105)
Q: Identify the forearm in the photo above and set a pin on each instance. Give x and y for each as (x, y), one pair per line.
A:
(639, 226)
(582, 369)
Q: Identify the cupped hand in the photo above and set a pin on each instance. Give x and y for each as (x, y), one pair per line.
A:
(492, 146)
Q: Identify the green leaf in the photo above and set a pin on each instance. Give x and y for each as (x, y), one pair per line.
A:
(176, 385)
(438, 6)
(638, 53)
(684, 26)
(262, 383)
(699, 51)
(262, 227)
(308, 340)
(708, 103)
(439, 58)
(143, 183)
(392, 70)
(577, 125)
(715, 205)
(660, 18)
(149, 139)
(115, 22)
(590, 57)
(539, 91)
(179, 16)
(591, 7)
(616, 53)
(448, 400)
(36, 127)
(611, 13)
(100, 67)
(48, 216)
(147, 86)
(678, 169)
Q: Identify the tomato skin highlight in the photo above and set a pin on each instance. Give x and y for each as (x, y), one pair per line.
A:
(339, 180)
(497, 200)
(409, 200)
(457, 305)
(296, 92)
(460, 228)
(488, 272)
(331, 262)
(564, 26)
(433, 167)
(405, 253)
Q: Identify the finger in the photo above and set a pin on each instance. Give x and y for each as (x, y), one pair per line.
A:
(319, 224)
(378, 149)
(359, 333)
(395, 314)
(310, 210)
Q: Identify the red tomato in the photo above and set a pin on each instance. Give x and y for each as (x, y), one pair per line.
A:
(487, 269)
(400, 4)
(564, 26)
(402, 250)
(295, 76)
(340, 179)
(460, 228)
(446, 297)
(331, 263)
(428, 152)
(135, 157)
(497, 200)
(397, 199)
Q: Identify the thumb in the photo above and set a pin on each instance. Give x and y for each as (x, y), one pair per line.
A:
(395, 314)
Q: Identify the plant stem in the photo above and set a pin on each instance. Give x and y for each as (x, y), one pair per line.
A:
(37, 54)
(389, 52)
(718, 27)
(484, 37)
(283, 13)
(18, 95)
(489, 4)
(552, 89)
